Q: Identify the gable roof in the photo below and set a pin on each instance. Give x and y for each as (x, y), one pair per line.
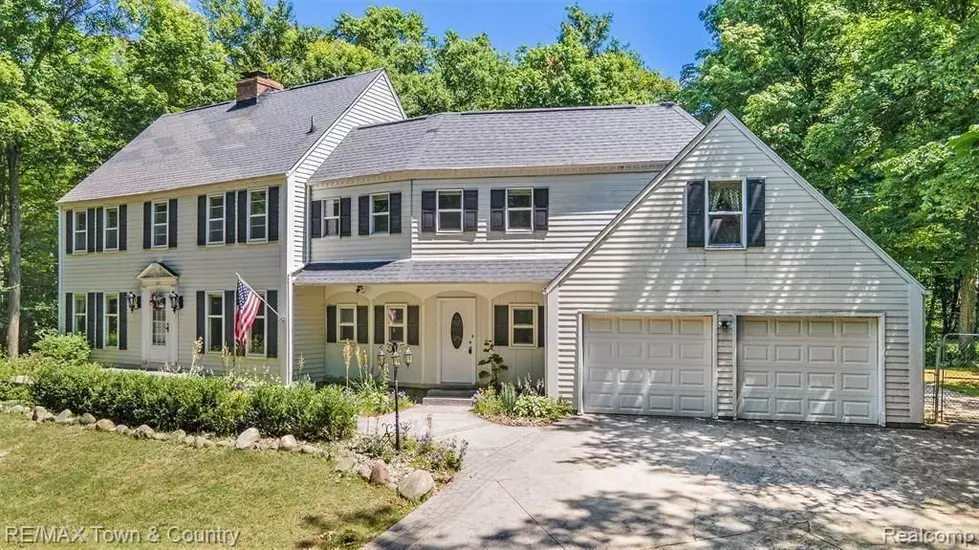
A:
(221, 143)
(764, 148)
(513, 139)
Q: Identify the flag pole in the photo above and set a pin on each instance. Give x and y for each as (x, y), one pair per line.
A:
(260, 297)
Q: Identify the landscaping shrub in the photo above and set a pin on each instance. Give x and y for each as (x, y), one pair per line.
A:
(66, 348)
(196, 403)
(8, 390)
(525, 401)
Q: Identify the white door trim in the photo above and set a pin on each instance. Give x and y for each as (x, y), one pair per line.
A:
(438, 336)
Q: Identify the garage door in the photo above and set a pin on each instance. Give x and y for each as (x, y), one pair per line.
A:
(648, 365)
(812, 369)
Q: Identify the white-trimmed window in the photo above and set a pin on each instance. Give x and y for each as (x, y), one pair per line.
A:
(80, 313)
(80, 231)
(449, 211)
(258, 215)
(331, 218)
(380, 214)
(724, 223)
(111, 321)
(395, 321)
(161, 224)
(215, 322)
(523, 325)
(215, 218)
(347, 322)
(110, 232)
(520, 209)
(257, 334)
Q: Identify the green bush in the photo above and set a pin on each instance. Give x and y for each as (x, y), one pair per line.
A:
(540, 407)
(67, 348)
(526, 403)
(195, 403)
(9, 391)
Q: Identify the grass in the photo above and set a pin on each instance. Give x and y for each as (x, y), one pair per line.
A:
(55, 475)
(964, 381)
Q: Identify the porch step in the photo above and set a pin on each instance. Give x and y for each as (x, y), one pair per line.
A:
(448, 398)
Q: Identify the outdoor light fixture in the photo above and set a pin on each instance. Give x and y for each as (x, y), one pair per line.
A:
(359, 289)
(398, 352)
(132, 301)
(725, 325)
(176, 301)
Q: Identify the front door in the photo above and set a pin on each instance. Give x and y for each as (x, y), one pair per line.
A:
(159, 328)
(457, 340)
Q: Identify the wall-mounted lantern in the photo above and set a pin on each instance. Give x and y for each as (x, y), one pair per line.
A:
(133, 301)
(176, 301)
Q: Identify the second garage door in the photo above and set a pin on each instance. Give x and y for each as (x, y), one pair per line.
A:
(648, 365)
(809, 368)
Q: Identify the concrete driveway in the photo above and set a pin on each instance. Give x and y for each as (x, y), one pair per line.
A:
(624, 482)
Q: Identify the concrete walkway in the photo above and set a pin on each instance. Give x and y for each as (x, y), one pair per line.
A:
(623, 482)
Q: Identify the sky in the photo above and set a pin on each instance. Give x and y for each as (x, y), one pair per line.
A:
(666, 33)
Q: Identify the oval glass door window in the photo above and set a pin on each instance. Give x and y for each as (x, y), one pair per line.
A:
(455, 330)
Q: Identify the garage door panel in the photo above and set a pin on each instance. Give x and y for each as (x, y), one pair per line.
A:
(631, 376)
(822, 380)
(788, 380)
(856, 382)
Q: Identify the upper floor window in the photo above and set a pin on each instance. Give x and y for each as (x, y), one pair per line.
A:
(258, 215)
(519, 209)
(215, 218)
(80, 231)
(449, 208)
(331, 218)
(215, 321)
(111, 230)
(725, 214)
(380, 213)
(161, 224)
(80, 313)
(111, 321)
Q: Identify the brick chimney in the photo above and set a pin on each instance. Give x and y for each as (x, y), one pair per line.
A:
(253, 84)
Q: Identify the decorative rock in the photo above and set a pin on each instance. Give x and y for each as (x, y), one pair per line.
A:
(64, 417)
(188, 440)
(123, 429)
(199, 442)
(416, 485)
(224, 443)
(105, 425)
(86, 419)
(345, 464)
(39, 413)
(310, 450)
(247, 439)
(288, 443)
(379, 473)
(364, 471)
(208, 444)
(46, 417)
(21, 380)
(178, 436)
(159, 436)
(18, 409)
(144, 431)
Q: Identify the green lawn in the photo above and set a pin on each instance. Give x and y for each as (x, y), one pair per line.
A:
(959, 380)
(64, 476)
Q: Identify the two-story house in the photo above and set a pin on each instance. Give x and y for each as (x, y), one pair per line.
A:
(636, 260)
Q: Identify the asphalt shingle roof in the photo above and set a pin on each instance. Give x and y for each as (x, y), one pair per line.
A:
(433, 271)
(508, 139)
(220, 143)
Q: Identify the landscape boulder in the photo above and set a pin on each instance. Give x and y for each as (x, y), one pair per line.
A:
(18, 409)
(247, 439)
(345, 464)
(416, 485)
(105, 425)
(87, 420)
(310, 450)
(379, 473)
(288, 443)
(143, 431)
(21, 380)
(178, 436)
(39, 413)
(122, 429)
(160, 436)
(64, 417)
(188, 440)
(364, 471)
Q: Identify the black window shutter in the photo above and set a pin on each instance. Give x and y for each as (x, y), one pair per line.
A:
(242, 216)
(90, 227)
(540, 326)
(69, 231)
(362, 323)
(229, 320)
(378, 324)
(501, 325)
(394, 216)
(123, 322)
(99, 221)
(331, 324)
(69, 311)
(172, 224)
(147, 224)
(201, 220)
(497, 209)
(99, 320)
(202, 317)
(273, 209)
(541, 203)
(414, 317)
(756, 212)
(272, 322)
(364, 215)
(123, 222)
(695, 214)
(470, 208)
(229, 217)
(345, 217)
(316, 219)
(428, 211)
(90, 320)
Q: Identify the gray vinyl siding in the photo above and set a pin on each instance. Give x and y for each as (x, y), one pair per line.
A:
(378, 104)
(812, 263)
(309, 332)
(209, 268)
(725, 375)
(364, 247)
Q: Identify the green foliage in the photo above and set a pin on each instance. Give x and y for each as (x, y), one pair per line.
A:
(9, 391)
(524, 401)
(493, 364)
(71, 349)
(508, 399)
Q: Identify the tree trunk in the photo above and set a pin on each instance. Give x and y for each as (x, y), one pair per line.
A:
(967, 308)
(13, 304)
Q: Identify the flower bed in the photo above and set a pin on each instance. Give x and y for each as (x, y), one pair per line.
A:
(523, 404)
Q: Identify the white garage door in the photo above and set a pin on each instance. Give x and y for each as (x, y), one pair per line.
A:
(648, 365)
(812, 369)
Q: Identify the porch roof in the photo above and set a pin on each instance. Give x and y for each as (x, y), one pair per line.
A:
(433, 271)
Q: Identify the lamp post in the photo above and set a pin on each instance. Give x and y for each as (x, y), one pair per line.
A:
(397, 352)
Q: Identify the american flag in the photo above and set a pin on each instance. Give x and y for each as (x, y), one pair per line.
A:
(247, 304)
